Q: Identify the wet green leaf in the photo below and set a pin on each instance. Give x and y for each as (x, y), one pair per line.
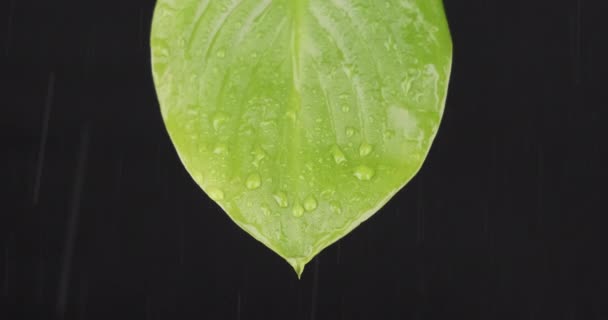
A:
(301, 118)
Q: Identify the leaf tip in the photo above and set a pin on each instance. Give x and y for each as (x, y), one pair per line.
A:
(298, 266)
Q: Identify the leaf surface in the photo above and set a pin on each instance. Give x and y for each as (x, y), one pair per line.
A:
(301, 118)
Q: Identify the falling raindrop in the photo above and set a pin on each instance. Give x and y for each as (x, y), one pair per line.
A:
(238, 305)
(73, 218)
(315, 290)
(44, 134)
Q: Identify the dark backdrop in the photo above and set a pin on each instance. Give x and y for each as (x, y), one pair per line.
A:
(101, 221)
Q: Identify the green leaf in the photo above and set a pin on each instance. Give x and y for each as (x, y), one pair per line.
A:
(301, 118)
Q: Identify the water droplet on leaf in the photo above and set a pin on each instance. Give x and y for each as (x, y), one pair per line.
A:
(310, 203)
(265, 210)
(216, 194)
(219, 118)
(254, 181)
(291, 114)
(220, 148)
(365, 149)
(198, 177)
(334, 207)
(281, 199)
(258, 156)
(364, 173)
(338, 155)
(389, 134)
(298, 211)
(350, 132)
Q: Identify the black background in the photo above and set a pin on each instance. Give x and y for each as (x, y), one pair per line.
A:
(101, 221)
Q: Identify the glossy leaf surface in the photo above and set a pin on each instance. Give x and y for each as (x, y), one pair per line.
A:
(301, 118)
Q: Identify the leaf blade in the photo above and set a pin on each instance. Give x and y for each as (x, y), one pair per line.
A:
(301, 119)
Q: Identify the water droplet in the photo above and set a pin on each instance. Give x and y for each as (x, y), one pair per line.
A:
(364, 173)
(258, 156)
(291, 114)
(268, 124)
(221, 53)
(216, 194)
(348, 70)
(298, 211)
(345, 108)
(281, 199)
(220, 148)
(219, 118)
(198, 177)
(193, 79)
(265, 210)
(338, 155)
(389, 134)
(254, 181)
(327, 193)
(310, 203)
(365, 149)
(334, 207)
(350, 132)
